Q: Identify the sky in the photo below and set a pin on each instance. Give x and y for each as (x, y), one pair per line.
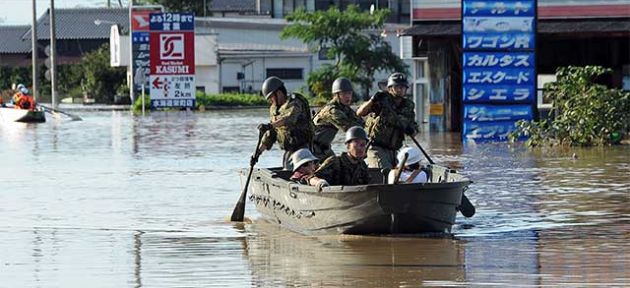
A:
(18, 12)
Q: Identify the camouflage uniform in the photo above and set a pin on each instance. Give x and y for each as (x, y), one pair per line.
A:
(296, 133)
(333, 117)
(339, 170)
(386, 126)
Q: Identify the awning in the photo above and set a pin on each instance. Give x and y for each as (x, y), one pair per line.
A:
(618, 26)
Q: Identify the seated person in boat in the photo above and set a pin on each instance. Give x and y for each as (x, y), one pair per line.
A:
(349, 168)
(22, 99)
(412, 172)
(304, 165)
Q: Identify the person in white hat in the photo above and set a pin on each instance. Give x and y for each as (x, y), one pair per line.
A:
(304, 165)
(411, 173)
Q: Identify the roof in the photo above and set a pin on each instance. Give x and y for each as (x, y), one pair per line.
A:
(233, 6)
(78, 23)
(546, 26)
(12, 41)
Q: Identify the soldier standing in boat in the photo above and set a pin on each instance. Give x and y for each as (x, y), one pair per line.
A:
(334, 116)
(347, 168)
(390, 117)
(290, 125)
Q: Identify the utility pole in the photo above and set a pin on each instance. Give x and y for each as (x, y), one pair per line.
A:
(131, 82)
(34, 50)
(53, 56)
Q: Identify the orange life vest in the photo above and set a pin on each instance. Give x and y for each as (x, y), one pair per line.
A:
(24, 102)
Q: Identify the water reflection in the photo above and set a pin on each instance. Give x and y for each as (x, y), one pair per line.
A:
(278, 257)
(119, 201)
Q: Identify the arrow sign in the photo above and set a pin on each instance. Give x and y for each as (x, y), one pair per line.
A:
(157, 83)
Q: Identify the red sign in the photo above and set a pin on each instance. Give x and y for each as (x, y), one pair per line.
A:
(174, 53)
(140, 19)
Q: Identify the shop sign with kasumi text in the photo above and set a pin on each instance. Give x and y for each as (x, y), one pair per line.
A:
(172, 40)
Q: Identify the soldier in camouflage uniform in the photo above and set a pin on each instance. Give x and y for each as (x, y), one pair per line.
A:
(390, 117)
(336, 115)
(347, 168)
(290, 125)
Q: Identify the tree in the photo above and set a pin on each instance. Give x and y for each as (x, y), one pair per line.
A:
(583, 113)
(100, 79)
(195, 6)
(352, 38)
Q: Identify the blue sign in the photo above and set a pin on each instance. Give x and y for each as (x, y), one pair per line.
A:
(499, 41)
(487, 131)
(499, 8)
(499, 66)
(140, 37)
(499, 59)
(498, 94)
(492, 76)
(169, 103)
(485, 113)
(498, 24)
(172, 22)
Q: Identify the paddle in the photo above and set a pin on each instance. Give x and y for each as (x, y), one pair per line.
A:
(239, 210)
(400, 168)
(72, 116)
(466, 208)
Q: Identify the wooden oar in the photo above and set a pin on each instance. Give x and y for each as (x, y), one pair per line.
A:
(72, 116)
(466, 208)
(400, 168)
(239, 210)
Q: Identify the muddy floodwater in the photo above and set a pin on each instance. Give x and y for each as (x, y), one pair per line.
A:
(123, 201)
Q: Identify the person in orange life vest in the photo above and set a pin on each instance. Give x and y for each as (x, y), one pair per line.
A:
(23, 100)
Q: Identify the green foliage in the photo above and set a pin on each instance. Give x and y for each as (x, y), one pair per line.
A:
(206, 100)
(194, 6)
(230, 99)
(137, 105)
(584, 113)
(352, 39)
(101, 80)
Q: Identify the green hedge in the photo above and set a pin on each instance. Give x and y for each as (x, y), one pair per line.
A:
(230, 99)
(584, 113)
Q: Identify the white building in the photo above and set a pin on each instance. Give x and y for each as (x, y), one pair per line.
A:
(238, 54)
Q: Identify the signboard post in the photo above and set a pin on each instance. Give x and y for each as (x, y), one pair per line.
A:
(172, 65)
(499, 66)
(139, 18)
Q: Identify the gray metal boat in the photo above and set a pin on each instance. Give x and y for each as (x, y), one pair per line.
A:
(375, 208)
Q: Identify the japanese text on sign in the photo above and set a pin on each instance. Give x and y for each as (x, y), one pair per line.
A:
(499, 59)
(499, 8)
(496, 41)
(172, 22)
(498, 77)
(495, 93)
(498, 24)
(487, 131)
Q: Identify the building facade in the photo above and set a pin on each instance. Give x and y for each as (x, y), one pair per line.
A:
(569, 32)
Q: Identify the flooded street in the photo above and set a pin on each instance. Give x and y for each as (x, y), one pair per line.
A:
(123, 201)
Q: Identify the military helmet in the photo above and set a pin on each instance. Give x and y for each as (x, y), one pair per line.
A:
(356, 132)
(301, 157)
(270, 85)
(413, 155)
(341, 84)
(397, 79)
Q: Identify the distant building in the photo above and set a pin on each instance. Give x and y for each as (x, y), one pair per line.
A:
(401, 9)
(570, 32)
(77, 34)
